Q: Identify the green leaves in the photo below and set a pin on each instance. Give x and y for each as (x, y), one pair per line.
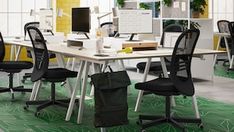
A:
(120, 3)
(198, 5)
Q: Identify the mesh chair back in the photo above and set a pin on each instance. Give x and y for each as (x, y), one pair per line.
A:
(40, 53)
(33, 24)
(109, 27)
(224, 28)
(171, 28)
(2, 48)
(181, 61)
(231, 29)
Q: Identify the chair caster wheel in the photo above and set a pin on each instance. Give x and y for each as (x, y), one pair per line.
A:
(26, 107)
(139, 122)
(200, 126)
(37, 114)
(23, 81)
(12, 96)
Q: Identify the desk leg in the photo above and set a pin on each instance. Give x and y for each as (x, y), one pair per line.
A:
(73, 63)
(62, 64)
(83, 92)
(195, 107)
(217, 48)
(122, 65)
(74, 92)
(231, 63)
(228, 50)
(16, 59)
(35, 90)
(12, 52)
(140, 93)
(96, 69)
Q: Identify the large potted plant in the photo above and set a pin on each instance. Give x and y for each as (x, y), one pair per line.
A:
(120, 3)
(198, 7)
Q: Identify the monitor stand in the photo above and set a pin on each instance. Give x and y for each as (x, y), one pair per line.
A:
(131, 37)
(86, 35)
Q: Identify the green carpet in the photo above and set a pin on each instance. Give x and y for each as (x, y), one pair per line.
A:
(222, 71)
(216, 116)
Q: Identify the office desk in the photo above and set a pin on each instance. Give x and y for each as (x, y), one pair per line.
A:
(87, 57)
(225, 36)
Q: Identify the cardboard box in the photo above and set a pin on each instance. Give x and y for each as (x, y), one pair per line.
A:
(140, 45)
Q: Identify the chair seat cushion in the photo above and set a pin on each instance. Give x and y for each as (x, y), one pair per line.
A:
(154, 66)
(59, 74)
(15, 65)
(160, 86)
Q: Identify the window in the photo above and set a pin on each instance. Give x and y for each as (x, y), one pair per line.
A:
(222, 10)
(15, 13)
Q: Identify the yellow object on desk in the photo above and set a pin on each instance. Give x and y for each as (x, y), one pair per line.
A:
(126, 50)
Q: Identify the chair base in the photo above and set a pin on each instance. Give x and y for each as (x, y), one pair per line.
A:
(146, 121)
(26, 76)
(46, 103)
(14, 89)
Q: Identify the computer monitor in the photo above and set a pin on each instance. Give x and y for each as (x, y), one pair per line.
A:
(81, 20)
(135, 22)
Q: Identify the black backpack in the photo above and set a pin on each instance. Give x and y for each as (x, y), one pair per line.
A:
(111, 107)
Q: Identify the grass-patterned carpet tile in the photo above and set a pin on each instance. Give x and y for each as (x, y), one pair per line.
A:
(222, 70)
(216, 116)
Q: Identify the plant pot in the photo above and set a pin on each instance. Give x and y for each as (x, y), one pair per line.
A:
(196, 14)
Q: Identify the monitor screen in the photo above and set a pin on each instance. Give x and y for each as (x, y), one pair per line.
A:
(81, 19)
(135, 21)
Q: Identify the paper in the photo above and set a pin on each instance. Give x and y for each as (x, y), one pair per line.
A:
(170, 38)
(183, 6)
(176, 4)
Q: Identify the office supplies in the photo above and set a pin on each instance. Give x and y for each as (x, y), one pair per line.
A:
(81, 20)
(75, 43)
(134, 22)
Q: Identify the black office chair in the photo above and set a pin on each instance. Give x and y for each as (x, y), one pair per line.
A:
(179, 82)
(12, 67)
(41, 71)
(223, 28)
(51, 56)
(109, 27)
(155, 66)
(231, 29)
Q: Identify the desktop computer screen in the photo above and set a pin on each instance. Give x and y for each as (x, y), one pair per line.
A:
(81, 20)
(135, 22)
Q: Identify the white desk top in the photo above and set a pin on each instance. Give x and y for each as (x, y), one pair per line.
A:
(88, 53)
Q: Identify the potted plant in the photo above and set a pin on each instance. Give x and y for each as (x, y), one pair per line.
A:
(198, 7)
(148, 6)
(167, 3)
(120, 3)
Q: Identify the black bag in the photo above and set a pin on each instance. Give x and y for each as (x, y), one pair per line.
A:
(111, 107)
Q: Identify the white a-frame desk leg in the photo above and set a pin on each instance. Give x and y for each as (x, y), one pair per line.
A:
(83, 92)
(217, 48)
(74, 92)
(140, 93)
